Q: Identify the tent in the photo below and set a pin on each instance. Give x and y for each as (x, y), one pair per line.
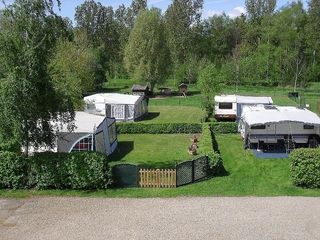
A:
(90, 133)
(122, 107)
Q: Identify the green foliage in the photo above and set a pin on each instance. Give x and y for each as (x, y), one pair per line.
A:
(48, 171)
(10, 146)
(305, 167)
(159, 128)
(224, 127)
(28, 101)
(13, 170)
(73, 69)
(206, 147)
(209, 82)
(146, 54)
(86, 170)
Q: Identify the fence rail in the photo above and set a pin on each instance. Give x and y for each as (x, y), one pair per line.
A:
(159, 178)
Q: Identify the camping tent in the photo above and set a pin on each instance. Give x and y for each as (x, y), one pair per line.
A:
(122, 107)
(90, 133)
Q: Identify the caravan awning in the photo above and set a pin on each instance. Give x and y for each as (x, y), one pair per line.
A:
(112, 98)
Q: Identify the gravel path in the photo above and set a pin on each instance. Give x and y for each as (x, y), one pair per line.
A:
(176, 218)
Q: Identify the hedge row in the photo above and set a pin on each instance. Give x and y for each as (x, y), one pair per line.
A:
(175, 128)
(305, 167)
(161, 128)
(224, 127)
(54, 171)
(206, 148)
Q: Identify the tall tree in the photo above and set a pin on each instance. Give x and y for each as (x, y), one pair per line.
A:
(29, 103)
(146, 55)
(180, 17)
(73, 68)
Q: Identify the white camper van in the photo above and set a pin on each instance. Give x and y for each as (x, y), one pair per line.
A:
(229, 107)
(270, 126)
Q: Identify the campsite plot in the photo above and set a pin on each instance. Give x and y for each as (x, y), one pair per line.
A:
(152, 150)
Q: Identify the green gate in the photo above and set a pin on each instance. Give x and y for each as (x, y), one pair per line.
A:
(125, 175)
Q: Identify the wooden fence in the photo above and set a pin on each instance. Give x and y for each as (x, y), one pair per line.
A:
(159, 178)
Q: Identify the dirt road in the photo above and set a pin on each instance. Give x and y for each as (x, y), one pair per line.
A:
(176, 218)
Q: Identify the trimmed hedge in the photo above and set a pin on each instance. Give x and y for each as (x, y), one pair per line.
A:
(207, 148)
(13, 170)
(305, 167)
(224, 127)
(161, 128)
(87, 170)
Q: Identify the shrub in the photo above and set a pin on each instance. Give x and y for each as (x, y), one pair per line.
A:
(163, 128)
(207, 148)
(10, 146)
(224, 127)
(48, 170)
(305, 167)
(88, 171)
(13, 170)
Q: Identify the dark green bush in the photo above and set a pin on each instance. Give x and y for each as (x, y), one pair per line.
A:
(206, 146)
(161, 128)
(224, 127)
(10, 146)
(13, 170)
(305, 167)
(48, 170)
(88, 171)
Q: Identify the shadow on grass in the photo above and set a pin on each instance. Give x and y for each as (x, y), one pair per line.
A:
(220, 171)
(123, 149)
(149, 116)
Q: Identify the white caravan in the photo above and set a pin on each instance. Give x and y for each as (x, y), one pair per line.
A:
(229, 107)
(263, 127)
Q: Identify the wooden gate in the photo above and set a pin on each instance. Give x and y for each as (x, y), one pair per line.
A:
(159, 178)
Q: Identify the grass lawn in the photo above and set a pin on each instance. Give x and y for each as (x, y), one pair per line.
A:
(152, 151)
(248, 176)
(173, 114)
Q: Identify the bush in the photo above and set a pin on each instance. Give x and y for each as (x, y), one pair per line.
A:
(48, 170)
(305, 167)
(13, 170)
(224, 127)
(206, 146)
(88, 171)
(164, 128)
(10, 146)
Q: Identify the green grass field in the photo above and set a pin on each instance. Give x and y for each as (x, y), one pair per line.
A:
(248, 176)
(173, 114)
(152, 151)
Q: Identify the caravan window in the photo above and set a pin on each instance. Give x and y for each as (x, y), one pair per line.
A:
(225, 105)
(307, 126)
(262, 126)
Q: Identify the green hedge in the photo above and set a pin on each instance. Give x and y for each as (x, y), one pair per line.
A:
(13, 170)
(87, 170)
(161, 128)
(206, 147)
(224, 127)
(305, 167)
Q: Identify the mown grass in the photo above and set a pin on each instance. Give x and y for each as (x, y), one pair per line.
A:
(151, 150)
(173, 114)
(247, 176)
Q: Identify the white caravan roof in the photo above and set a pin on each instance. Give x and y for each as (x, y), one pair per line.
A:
(243, 99)
(254, 115)
(112, 98)
(83, 122)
